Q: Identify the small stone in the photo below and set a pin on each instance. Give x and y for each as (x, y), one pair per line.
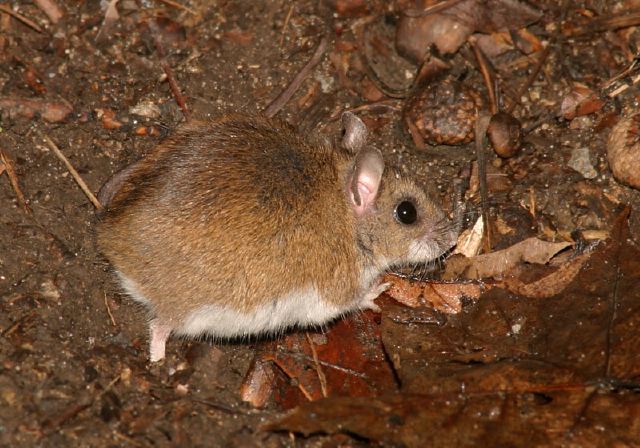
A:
(580, 161)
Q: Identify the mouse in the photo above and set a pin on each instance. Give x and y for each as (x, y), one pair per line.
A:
(240, 226)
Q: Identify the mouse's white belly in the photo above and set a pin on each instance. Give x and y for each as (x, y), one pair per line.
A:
(305, 307)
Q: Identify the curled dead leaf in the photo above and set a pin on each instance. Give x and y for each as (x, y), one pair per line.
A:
(445, 297)
(496, 264)
(551, 285)
(470, 241)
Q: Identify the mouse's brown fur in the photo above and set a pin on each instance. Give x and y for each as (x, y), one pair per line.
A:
(243, 217)
(225, 199)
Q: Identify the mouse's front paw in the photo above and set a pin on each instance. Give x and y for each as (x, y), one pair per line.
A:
(367, 302)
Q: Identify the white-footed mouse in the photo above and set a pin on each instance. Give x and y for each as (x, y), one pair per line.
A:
(241, 226)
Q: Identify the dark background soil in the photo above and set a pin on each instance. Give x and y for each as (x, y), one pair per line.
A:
(72, 376)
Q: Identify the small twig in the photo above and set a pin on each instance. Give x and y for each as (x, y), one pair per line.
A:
(173, 84)
(382, 105)
(439, 7)
(286, 23)
(623, 80)
(482, 123)
(487, 75)
(460, 186)
(623, 19)
(321, 376)
(619, 235)
(179, 6)
(282, 99)
(106, 304)
(21, 18)
(81, 183)
(13, 178)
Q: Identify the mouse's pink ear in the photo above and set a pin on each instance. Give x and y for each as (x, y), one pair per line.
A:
(355, 132)
(365, 179)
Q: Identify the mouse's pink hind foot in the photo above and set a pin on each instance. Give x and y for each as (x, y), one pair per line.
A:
(160, 332)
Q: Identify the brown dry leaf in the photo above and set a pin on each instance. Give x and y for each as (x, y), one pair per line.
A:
(447, 297)
(257, 386)
(444, 297)
(414, 35)
(347, 360)
(580, 101)
(420, 420)
(551, 285)
(404, 291)
(449, 29)
(526, 42)
(470, 241)
(509, 369)
(496, 264)
(494, 44)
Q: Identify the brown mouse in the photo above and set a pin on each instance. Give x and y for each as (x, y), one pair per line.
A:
(241, 226)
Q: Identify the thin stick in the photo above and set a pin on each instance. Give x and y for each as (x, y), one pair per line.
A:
(106, 304)
(13, 178)
(173, 84)
(282, 99)
(321, 376)
(487, 75)
(21, 18)
(81, 183)
(179, 6)
(438, 7)
(623, 19)
(482, 123)
(286, 23)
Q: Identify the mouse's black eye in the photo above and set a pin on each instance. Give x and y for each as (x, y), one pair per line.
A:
(406, 212)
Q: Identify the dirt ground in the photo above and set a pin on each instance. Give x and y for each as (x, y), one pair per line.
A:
(73, 348)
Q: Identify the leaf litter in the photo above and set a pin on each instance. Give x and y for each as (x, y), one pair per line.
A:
(538, 352)
(559, 370)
